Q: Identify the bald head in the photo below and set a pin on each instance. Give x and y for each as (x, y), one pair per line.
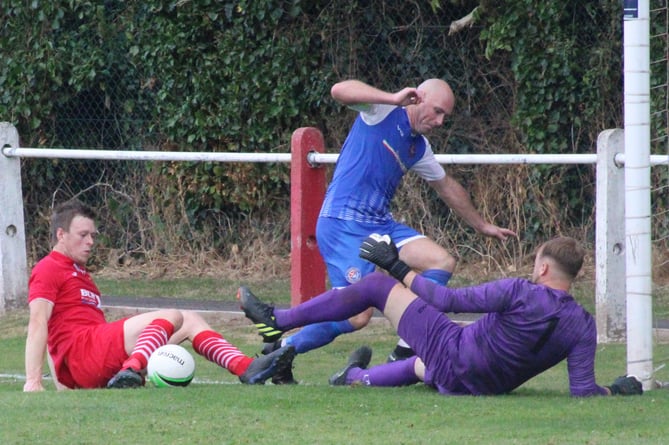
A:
(436, 104)
(436, 87)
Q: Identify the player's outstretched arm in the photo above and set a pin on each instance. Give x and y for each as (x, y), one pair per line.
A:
(454, 195)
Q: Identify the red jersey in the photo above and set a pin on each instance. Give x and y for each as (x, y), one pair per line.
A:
(75, 297)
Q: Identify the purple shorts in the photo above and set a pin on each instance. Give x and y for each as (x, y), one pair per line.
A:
(430, 334)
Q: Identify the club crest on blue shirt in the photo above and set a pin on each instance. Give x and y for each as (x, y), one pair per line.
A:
(353, 275)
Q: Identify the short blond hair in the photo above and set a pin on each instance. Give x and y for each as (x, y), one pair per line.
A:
(567, 253)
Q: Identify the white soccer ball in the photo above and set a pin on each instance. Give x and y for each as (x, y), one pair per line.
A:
(170, 365)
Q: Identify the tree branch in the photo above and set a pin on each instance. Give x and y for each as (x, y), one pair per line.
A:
(465, 22)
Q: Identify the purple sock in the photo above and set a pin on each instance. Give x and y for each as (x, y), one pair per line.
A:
(399, 373)
(338, 304)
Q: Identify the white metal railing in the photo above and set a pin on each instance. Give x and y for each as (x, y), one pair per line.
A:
(312, 158)
(130, 155)
(611, 289)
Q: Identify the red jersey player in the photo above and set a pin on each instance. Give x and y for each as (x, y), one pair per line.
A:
(87, 351)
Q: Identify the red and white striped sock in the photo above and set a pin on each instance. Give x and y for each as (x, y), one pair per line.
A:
(212, 346)
(154, 335)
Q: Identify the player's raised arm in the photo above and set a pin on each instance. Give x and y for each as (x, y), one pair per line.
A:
(355, 92)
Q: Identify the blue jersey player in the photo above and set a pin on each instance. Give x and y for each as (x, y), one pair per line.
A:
(528, 326)
(386, 141)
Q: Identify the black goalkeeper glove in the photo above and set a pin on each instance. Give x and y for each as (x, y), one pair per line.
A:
(626, 386)
(382, 251)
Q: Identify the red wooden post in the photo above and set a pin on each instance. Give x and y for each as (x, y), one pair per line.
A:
(307, 190)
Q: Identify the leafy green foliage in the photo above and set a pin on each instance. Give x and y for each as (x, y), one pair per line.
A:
(199, 75)
(225, 76)
(559, 78)
(565, 58)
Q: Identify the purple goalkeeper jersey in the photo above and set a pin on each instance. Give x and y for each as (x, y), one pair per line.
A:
(527, 328)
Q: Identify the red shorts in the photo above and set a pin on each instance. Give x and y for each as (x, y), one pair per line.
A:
(94, 357)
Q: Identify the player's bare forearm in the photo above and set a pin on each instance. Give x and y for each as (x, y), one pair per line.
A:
(34, 359)
(457, 199)
(36, 343)
(354, 92)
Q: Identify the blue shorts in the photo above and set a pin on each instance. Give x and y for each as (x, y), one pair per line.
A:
(339, 243)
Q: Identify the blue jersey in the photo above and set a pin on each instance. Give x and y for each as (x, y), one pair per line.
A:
(379, 150)
(527, 328)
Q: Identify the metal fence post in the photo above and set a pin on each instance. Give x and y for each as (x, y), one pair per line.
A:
(13, 263)
(610, 294)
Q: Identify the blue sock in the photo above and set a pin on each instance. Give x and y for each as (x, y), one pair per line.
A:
(318, 334)
(439, 276)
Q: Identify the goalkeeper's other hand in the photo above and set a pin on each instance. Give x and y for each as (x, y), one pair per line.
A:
(382, 251)
(626, 385)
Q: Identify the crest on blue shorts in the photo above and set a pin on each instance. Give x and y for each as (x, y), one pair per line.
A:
(353, 275)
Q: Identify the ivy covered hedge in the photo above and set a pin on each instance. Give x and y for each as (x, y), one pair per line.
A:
(207, 75)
